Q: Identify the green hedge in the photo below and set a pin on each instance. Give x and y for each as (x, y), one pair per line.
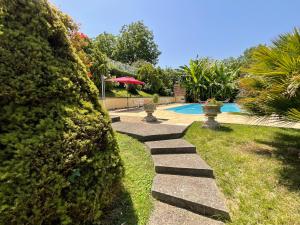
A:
(59, 157)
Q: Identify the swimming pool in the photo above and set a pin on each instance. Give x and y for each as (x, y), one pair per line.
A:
(197, 109)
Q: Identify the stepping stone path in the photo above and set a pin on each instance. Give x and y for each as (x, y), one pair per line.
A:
(149, 132)
(184, 186)
(115, 118)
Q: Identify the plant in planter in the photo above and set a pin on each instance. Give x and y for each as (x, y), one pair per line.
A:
(211, 109)
(150, 108)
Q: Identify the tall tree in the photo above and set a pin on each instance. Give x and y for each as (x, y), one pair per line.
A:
(59, 157)
(106, 43)
(136, 42)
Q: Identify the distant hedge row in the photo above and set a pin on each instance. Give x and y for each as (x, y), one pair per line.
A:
(59, 161)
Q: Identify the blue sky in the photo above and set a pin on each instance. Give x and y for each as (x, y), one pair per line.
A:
(184, 29)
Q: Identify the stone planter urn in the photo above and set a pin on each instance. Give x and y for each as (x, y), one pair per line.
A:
(149, 109)
(211, 111)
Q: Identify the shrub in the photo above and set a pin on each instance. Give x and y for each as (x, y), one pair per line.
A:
(59, 157)
(155, 98)
(147, 73)
(213, 101)
(132, 89)
(95, 61)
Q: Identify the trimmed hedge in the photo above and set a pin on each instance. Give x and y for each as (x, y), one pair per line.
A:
(59, 157)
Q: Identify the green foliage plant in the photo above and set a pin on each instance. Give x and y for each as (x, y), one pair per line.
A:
(205, 78)
(155, 98)
(106, 43)
(149, 74)
(59, 158)
(272, 81)
(213, 101)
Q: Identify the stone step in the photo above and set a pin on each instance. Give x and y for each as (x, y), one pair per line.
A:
(173, 146)
(181, 164)
(165, 214)
(115, 118)
(196, 194)
(150, 132)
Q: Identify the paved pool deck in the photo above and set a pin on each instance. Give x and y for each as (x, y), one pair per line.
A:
(173, 118)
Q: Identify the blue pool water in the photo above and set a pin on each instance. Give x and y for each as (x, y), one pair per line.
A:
(197, 109)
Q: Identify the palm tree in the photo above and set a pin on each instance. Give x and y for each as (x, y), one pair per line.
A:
(273, 81)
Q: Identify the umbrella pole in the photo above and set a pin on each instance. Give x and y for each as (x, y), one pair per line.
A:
(127, 97)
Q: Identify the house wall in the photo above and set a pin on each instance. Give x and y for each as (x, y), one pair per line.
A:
(179, 93)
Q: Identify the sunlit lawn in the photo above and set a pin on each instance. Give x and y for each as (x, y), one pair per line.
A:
(257, 168)
(134, 205)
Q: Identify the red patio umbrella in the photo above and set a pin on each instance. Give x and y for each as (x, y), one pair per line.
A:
(126, 80)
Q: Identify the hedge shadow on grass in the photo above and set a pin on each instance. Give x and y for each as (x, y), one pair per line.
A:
(121, 211)
(224, 128)
(286, 145)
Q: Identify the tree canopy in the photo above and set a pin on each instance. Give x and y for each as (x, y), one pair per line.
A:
(135, 42)
(106, 43)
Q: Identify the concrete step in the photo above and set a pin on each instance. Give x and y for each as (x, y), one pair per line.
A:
(196, 194)
(115, 118)
(150, 131)
(165, 214)
(173, 146)
(182, 164)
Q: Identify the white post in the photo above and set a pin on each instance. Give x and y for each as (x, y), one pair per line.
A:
(103, 87)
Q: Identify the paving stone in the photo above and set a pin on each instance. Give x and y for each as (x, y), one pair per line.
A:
(150, 132)
(176, 146)
(197, 194)
(115, 118)
(181, 164)
(165, 214)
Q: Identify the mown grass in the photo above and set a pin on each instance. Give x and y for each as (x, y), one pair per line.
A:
(118, 92)
(134, 204)
(257, 169)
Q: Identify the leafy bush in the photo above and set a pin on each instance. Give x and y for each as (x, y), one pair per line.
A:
(213, 101)
(59, 157)
(157, 80)
(148, 74)
(132, 89)
(95, 61)
(155, 98)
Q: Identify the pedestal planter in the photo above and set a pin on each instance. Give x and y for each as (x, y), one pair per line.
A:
(211, 111)
(149, 109)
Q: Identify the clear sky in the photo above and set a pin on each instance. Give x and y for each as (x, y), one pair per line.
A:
(184, 29)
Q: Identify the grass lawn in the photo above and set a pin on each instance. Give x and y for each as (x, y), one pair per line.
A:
(257, 169)
(134, 205)
(118, 92)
